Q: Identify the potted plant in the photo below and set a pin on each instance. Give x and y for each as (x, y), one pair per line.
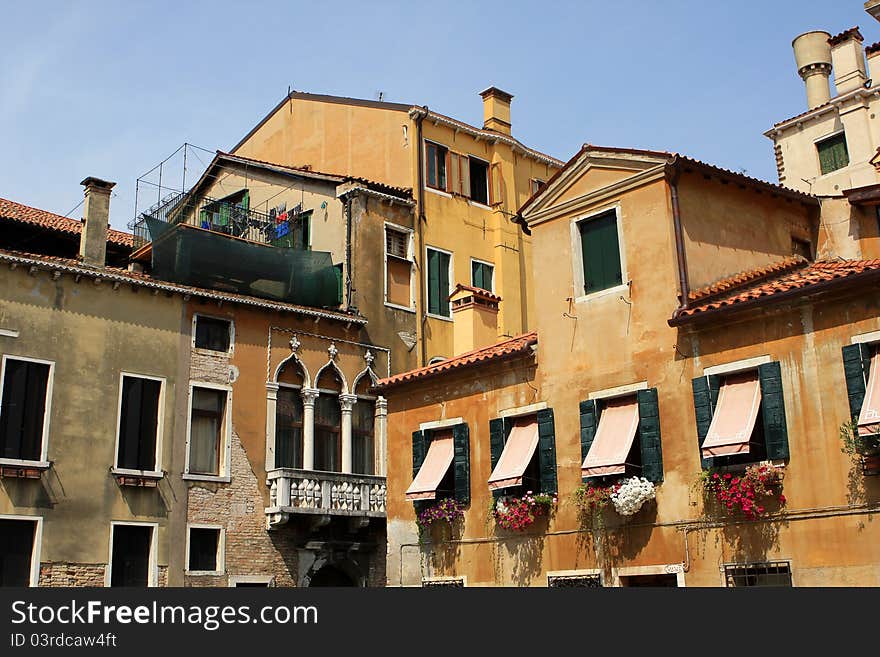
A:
(749, 493)
(442, 513)
(854, 443)
(627, 496)
(518, 512)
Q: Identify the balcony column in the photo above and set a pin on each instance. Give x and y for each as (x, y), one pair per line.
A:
(346, 402)
(309, 395)
(381, 436)
(271, 403)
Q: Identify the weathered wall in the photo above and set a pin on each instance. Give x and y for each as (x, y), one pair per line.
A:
(93, 332)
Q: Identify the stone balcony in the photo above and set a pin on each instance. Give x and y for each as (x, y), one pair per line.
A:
(324, 495)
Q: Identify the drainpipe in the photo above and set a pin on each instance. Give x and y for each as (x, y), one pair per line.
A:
(348, 261)
(672, 176)
(420, 221)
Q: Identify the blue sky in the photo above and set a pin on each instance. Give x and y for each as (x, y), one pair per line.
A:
(110, 88)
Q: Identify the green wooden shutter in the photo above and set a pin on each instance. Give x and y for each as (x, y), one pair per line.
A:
(547, 451)
(649, 435)
(773, 409)
(443, 284)
(600, 250)
(589, 423)
(705, 397)
(246, 200)
(420, 440)
(856, 369)
(433, 282)
(499, 428)
(461, 463)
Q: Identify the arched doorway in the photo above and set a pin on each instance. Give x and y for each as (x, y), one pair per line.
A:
(330, 575)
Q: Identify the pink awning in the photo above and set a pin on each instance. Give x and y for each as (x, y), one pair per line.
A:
(739, 401)
(434, 467)
(518, 451)
(614, 438)
(869, 417)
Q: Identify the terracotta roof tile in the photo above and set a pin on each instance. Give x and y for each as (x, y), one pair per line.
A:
(874, 47)
(478, 291)
(851, 33)
(493, 352)
(772, 283)
(12, 211)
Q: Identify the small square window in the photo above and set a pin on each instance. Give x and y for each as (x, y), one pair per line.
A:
(833, 154)
(802, 248)
(574, 581)
(773, 573)
(482, 275)
(536, 185)
(204, 549)
(212, 333)
(600, 251)
(450, 582)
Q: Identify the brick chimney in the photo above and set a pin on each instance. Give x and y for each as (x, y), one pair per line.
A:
(496, 110)
(848, 60)
(96, 220)
(475, 318)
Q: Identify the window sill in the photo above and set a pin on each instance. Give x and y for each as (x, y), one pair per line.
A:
(203, 351)
(438, 192)
(23, 469)
(477, 204)
(741, 467)
(408, 309)
(219, 479)
(204, 573)
(617, 289)
(137, 478)
(433, 316)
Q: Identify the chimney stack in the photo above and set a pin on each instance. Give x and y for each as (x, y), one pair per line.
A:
(848, 60)
(496, 110)
(475, 318)
(812, 54)
(872, 53)
(96, 220)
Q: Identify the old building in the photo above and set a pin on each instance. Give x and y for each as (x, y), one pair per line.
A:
(684, 328)
(468, 182)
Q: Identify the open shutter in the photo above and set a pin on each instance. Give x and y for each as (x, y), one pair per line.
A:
(856, 369)
(547, 451)
(454, 173)
(498, 430)
(705, 397)
(461, 463)
(465, 176)
(420, 441)
(448, 177)
(773, 409)
(589, 422)
(649, 435)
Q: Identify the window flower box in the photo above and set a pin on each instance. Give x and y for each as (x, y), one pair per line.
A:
(518, 513)
(751, 493)
(627, 496)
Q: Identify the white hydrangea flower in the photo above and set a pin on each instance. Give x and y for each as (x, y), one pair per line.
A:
(631, 495)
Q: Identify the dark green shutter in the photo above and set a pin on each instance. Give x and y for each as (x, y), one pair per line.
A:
(856, 369)
(499, 428)
(705, 397)
(433, 282)
(547, 451)
(339, 283)
(773, 409)
(833, 153)
(420, 441)
(600, 250)
(589, 423)
(649, 435)
(444, 284)
(461, 463)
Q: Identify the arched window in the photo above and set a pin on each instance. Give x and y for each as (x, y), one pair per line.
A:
(289, 418)
(363, 428)
(328, 420)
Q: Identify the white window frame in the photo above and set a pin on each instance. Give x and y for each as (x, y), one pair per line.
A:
(225, 435)
(520, 411)
(153, 568)
(872, 337)
(8, 333)
(268, 580)
(36, 548)
(409, 256)
(583, 572)
(532, 182)
(619, 391)
(160, 428)
(577, 255)
(472, 202)
(451, 277)
(202, 350)
(221, 549)
(43, 463)
(737, 366)
(481, 262)
(676, 569)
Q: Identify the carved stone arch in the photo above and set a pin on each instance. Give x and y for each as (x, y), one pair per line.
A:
(294, 359)
(332, 364)
(368, 372)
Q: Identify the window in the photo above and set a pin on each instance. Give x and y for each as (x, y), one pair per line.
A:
(328, 442)
(207, 414)
(130, 556)
(658, 580)
(435, 164)
(600, 252)
(593, 581)
(446, 582)
(536, 185)
(17, 552)
(773, 573)
(523, 454)
(833, 154)
(441, 464)
(24, 409)
(741, 416)
(438, 282)
(363, 420)
(479, 179)
(213, 333)
(482, 275)
(138, 423)
(289, 428)
(205, 550)
(620, 436)
(802, 248)
(398, 268)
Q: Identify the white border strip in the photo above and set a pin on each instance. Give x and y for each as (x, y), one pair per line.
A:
(737, 366)
(619, 391)
(440, 424)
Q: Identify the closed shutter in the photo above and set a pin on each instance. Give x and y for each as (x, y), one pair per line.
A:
(498, 430)
(773, 410)
(433, 282)
(589, 422)
(833, 154)
(856, 369)
(420, 440)
(461, 463)
(547, 451)
(600, 249)
(705, 397)
(649, 435)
